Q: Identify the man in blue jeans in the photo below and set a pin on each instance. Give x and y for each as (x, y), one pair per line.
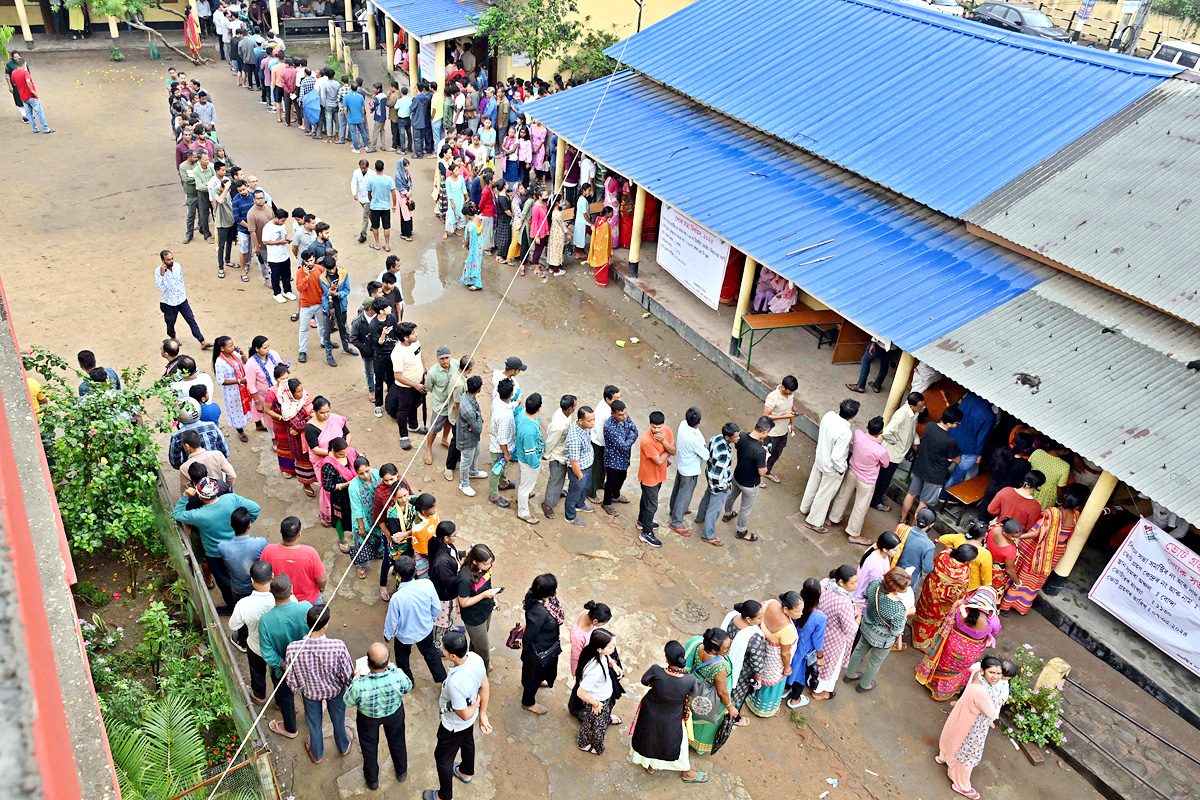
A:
(874, 352)
(353, 104)
(718, 475)
(579, 465)
(321, 670)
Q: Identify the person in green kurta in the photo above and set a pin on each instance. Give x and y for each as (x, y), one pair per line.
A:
(9, 68)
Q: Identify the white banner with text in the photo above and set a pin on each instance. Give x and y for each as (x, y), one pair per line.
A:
(693, 254)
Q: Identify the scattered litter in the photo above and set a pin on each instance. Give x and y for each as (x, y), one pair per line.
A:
(876, 774)
(1016, 746)
(645, 315)
(823, 794)
(832, 782)
(525, 332)
(634, 339)
(620, 342)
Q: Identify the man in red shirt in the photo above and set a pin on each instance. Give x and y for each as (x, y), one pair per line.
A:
(23, 82)
(298, 561)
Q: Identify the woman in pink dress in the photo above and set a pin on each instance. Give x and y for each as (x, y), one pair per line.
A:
(537, 135)
(323, 428)
(960, 746)
(612, 199)
(260, 377)
(593, 616)
(841, 625)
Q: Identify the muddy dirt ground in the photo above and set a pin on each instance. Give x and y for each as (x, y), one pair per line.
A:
(88, 209)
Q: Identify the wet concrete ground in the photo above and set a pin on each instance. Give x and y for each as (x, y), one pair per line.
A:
(90, 207)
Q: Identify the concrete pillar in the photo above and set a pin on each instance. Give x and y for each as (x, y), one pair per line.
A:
(389, 32)
(353, 71)
(899, 390)
(439, 77)
(560, 162)
(1097, 500)
(349, 17)
(413, 53)
(273, 5)
(743, 303)
(26, 34)
(372, 36)
(635, 245)
(113, 31)
(332, 37)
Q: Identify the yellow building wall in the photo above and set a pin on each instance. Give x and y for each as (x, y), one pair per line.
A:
(8, 16)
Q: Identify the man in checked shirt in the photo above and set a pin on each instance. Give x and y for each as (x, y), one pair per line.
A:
(320, 671)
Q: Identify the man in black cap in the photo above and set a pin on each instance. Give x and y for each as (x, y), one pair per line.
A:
(512, 367)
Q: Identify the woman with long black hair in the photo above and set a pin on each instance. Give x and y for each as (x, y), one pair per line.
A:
(596, 685)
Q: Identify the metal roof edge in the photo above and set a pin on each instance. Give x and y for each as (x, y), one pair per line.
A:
(1033, 178)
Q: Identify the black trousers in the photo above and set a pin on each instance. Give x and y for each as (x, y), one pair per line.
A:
(171, 313)
(433, 658)
(648, 507)
(285, 698)
(453, 456)
(597, 471)
(777, 445)
(408, 400)
(614, 479)
(339, 319)
(381, 363)
(225, 239)
(533, 672)
(450, 744)
(883, 482)
(258, 673)
(220, 574)
(368, 737)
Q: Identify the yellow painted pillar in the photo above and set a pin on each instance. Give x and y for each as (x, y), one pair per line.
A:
(389, 32)
(439, 77)
(413, 53)
(372, 36)
(273, 5)
(353, 71)
(332, 37)
(560, 161)
(743, 303)
(26, 34)
(349, 17)
(1097, 500)
(639, 213)
(113, 31)
(899, 390)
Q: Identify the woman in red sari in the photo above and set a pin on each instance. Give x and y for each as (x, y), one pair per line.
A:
(295, 410)
(1039, 550)
(279, 426)
(941, 589)
(968, 630)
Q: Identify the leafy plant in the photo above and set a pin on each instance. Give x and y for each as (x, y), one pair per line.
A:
(588, 61)
(195, 677)
(123, 700)
(1036, 713)
(115, 54)
(6, 34)
(91, 595)
(103, 457)
(338, 68)
(539, 29)
(158, 637)
(163, 755)
(133, 12)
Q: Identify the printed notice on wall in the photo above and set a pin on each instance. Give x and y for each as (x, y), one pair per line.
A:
(1152, 585)
(693, 254)
(425, 62)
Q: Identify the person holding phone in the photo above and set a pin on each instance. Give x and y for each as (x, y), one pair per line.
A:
(382, 332)
(476, 598)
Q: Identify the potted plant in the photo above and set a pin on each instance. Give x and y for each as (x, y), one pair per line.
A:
(1033, 714)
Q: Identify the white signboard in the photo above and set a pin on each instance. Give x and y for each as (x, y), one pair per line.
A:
(521, 60)
(1130, 6)
(1152, 584)
(425, 61)
(693, 254)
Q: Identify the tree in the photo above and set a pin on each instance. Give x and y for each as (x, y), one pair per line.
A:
(539, 29)
(132, 12)
(588, 61)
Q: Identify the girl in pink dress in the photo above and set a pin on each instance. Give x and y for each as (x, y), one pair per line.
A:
(537, 135)
(260, 377)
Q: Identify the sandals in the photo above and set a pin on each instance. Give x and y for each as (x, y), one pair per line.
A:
(715, 541)
(384, 594)
(745, 536)
(772, 477)
(221, 273)
(310, 491)
(974, 795)
(314, 759)
(276, 726)
(860, 540)
(428, 459)
(939, 760)
(854, 387)
(362, 573)
(448, 475)
(615, 720)
(700, 778)
(245, 278)
(459, 775)
(345, 548)
(531, 519)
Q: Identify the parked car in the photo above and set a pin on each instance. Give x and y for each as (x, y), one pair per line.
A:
(1020, 19)
(1182, 54)
(950, 7)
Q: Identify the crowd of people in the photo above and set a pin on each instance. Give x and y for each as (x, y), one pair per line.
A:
(792, 648)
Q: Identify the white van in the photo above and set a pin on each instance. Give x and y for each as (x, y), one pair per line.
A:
(1180, 53)
(950, 7)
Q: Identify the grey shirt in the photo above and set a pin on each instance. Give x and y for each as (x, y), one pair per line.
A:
(470, 422)
(329, 93)
(245, 48)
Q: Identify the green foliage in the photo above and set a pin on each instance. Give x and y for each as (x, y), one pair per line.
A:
(1184, 9)
(6, 34)
(1036, 713)
(92, 596)
(196, 678)
(338, 70)
(115, 54)
(588, 62)
(103, 460)
(159, 636)
(122, 700)
(163, 755)
(540, 29)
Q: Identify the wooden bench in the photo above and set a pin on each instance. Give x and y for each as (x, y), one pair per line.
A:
(969, 492)
(569, 212)
(752, 323)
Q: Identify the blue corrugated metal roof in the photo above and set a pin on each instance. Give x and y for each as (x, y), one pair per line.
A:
(430, 17)
(900, 269)
(941, 109)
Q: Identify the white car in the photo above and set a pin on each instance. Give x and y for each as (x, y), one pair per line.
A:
(950, 7)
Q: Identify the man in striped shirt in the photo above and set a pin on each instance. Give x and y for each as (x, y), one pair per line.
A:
(719, 477)
(579, 465)
(319, 669)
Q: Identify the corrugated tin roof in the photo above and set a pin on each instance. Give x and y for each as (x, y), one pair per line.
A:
(940, 109)
(1127, 406)
(431, 17)
(1120, 205)
(898, 269)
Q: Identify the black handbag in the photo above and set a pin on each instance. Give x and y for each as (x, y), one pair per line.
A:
(549, 654)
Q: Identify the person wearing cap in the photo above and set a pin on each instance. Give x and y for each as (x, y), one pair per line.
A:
(188, 417)
(513, 366)
(213, 521)
(437, 384)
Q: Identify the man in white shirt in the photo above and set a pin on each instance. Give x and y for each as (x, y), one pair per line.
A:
(275, 237)
(603, 412)
(779, 407)
(691, 453)
(829, 466)
(899, 437)
(556, 453)
(408, 366)
(221, 25)
(360, 192)
(464, 699)
(246, 614)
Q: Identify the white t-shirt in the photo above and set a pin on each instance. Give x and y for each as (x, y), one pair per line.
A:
(603, 412)
(182, 388)
(276, 253)
(406, 361)
(460, 690)
(596, 679)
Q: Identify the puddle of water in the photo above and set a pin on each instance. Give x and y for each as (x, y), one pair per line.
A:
(428, 281)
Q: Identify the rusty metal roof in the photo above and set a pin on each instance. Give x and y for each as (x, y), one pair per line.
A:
(1120, 205)
(1103, 374)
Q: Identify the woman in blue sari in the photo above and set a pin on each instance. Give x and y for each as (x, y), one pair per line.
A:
(810, 647)
(362, 521)
(708, 659)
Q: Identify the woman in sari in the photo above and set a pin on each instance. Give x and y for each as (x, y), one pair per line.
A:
(969, 629)
(367, 541)
(472, 274)
(296, 409)
(748, 653)
(779, 629)
(841, 624)
(999, 542)
(445, 160)
(601, 249)
(519, 195)
(324, 427)
(964, 735)
(509, 164)
(612, 199)
(708, 659)
(229, 367)
(337, 471)
(940, 590)
(626, 210)
(280, 429)
(537, 140)
(558, 241)
(398, 521)
(810, 646)
(403, 184)
(1039, 550)
(504, 219)
(260, 377)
